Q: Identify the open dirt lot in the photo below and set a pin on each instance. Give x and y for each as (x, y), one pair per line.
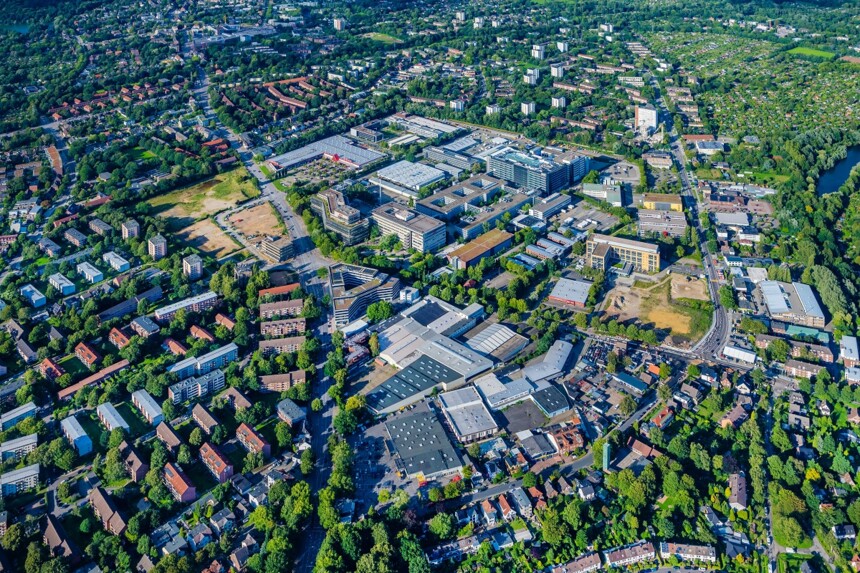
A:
(658, 306)
(209, 238)
(184, 206)
(257, 221)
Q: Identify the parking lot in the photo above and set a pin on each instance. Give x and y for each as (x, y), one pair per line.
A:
(586, 217)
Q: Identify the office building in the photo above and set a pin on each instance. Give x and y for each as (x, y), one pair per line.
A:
(794, 303)
(197, 303)
(148, 406)
(192, 267)
(662, 202)
(339, 218)
(529, 172)
(157, 247)
(196, 387)
(489, 244)
(336, 148)
(548, 207)
(278, 250)
(669, 223)
(447, 155)
(18, 481)
(354, 288)
(206, 363)
(91, 273)
(77, 436)
(111, 418)
(63, 285)
(415, 231)
(477, 195)
(407, 179)
(130, 229)
(603, 251)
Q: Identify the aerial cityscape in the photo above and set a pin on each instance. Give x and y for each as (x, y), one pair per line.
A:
(544, 286)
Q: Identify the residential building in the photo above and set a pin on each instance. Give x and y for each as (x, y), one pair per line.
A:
(630, 554)
(157, 247)
(585, 563)
(118, 338)
(849, 351)
(203, 418)
(252, 441)
(338, 217)
(603, 251)
(278, 250)
(196, 387)
(100, 376)
(168, 437)
(144, 326)
(216, 463)
(148, 406)
(284, 327)
(91, 273)
(50, 370)
(354, 288)
(116, 262)
(111, 418)
(77, 436)
(178, 483)
(688, 552)
(63, 285)
(17, 448)
(205, 363)
(99, 227)
(87, 354)
(105, 510)
(738, 491)
(290, 412)
(58, 542)
(645, 118)
(197, 303)
(130, 229)
(270, 310)
(415, 231)
(12, 417)
(282, 382)
(192, 267)
(32, 295)
(20, 480)
(281, 345)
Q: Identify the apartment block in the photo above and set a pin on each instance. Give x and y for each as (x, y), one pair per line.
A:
(286, 327)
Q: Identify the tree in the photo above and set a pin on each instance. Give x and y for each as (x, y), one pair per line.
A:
(442, 526)
(306, 462)
(627, 405)
(284, 434)
(316, 405)
(665, 371)
(196, 437)
(13, 540)
(379, 311)
(727, 298)
(529, 480)
(373, 345)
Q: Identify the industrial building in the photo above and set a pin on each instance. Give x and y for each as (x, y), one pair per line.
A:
(415, 231)
(794, 303)
(669, 223)
(607, 192)
(501, 392)
(336, 148)
(444, 318)
(422, 446)
(354, 288)
(528, 171)
(407, 179)
(496, 341)
(339, 218)
(467, 415)
(475, 195)
(571, 292)
(551, 365)
(489, 244)
(603, 251)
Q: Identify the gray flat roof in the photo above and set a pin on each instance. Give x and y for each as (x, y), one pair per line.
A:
(335, 145)
(421, 442)
(411, 175)
(571, 290)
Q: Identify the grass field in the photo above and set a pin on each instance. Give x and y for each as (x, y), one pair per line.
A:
(184, 206)
(94, 431)
(812, 53)
(133, 418)
(73, 366)
(139, 153)
(384, 38)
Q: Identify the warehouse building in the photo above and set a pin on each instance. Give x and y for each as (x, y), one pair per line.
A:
(496, 341)
(407, 179)
(422, 446)
(571, 292)
(794, 303)
(467, 415)
(489, 244)
(339, 218)
(415, 231)
(603, 251)
(442, 317)
(504, 391)
(336, 148)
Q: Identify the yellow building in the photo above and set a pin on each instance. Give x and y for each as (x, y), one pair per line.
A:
(662, 202)
(603, 251)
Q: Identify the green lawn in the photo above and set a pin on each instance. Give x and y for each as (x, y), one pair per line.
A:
(384, 38)
(132, 416)
(812, 53)
(94, 431)
(200, 476)
(790, 563)
(139, 153)
(73, 366)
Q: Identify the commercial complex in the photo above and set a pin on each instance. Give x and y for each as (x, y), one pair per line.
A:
(467, 415)
(794, 303)
(480, 197)
(197, 303)
(407, 179)
(489, 244)
(528, 171)
(603, 251)
(422, 446)
(336, 148)
(339, 218)
(354, 288)
(415, 231)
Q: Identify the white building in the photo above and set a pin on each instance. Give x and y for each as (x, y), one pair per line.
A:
(527, 107)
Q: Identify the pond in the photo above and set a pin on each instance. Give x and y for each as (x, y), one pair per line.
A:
(832, 179)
